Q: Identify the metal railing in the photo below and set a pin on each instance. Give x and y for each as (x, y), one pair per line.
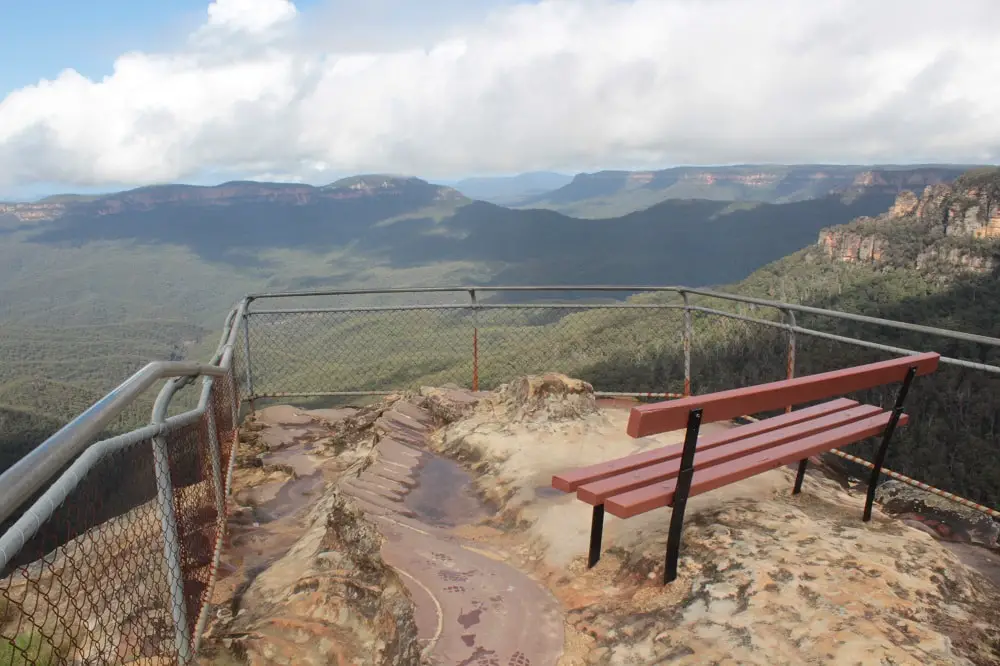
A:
(114, 561)
(116, 543)
(360, 345)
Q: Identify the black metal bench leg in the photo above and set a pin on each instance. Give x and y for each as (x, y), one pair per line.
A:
(596, 532)
(681, 492)
(800, 477)
(890, 428)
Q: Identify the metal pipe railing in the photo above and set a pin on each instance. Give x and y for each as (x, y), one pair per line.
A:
(31, 472)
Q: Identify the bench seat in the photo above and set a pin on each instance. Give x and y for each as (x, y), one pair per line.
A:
(711, 475)
(669, 475)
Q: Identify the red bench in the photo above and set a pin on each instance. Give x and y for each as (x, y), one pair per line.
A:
(668, 476)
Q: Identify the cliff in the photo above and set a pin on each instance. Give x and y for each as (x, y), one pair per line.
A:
(949, 229)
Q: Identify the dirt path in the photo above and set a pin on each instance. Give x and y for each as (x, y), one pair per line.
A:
(472, 609)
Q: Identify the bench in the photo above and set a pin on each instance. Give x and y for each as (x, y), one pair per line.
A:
(668, 476)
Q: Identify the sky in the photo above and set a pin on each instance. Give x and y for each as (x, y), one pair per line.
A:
(110, 94)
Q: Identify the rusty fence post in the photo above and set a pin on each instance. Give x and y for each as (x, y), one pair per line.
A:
(790, 359)
(475, 341)
(687, 345)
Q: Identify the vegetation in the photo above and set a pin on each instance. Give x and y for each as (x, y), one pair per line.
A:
(28, 648)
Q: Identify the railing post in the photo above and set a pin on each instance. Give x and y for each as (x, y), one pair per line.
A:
(475, 341)
(790, 361)
(687, 345)
(168, 524)
(246, 352)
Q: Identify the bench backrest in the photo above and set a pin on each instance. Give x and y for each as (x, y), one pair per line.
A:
(672, 415)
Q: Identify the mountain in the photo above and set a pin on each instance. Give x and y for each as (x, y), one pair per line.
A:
(412, 225)
(511, 189)
(614, 193)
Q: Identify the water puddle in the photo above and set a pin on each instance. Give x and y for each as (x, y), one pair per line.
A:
(543, 492)
(445, 495)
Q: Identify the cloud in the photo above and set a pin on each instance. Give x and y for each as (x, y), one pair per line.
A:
(254, 16)
(554, 84)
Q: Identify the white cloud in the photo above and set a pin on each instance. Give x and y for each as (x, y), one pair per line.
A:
(254, 16)
(557, 84)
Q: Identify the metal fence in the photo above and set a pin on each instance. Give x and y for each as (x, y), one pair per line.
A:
(660, 342)
(115, 557)
(111, 545)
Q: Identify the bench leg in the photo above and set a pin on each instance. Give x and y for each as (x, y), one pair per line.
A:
(890, 428)
(681, 491)
(596, 532)
(800, 477)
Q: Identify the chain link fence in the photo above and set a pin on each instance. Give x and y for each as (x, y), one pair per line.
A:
(666, 344)
(114, 563)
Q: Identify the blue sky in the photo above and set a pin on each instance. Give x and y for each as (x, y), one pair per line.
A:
(310, 90)
(42, 37)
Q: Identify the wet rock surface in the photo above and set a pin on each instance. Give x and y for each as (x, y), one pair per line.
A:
(343, 548)
(471, 607)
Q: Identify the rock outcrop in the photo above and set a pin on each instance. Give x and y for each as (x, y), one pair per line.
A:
(549, 397)
(329, 600)
(946, 229)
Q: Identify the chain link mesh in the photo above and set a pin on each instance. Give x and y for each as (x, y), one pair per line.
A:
(343, 351)
(92, 585)
(638, 348)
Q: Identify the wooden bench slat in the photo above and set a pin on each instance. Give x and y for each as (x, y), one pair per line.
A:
(573, 479)
(597, 492)
(661, 494)
(663, 417)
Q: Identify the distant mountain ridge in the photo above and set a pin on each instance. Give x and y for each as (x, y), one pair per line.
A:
(234, 193)
(614, 193)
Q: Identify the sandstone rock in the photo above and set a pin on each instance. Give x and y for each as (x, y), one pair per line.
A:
(548, 397)
(331, 599)
(449, 403)
(766, 577)
(905, 205)
(946, 519)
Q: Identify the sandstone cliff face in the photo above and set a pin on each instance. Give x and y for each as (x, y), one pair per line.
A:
(968, 210)
(852, 247)
(32, 212)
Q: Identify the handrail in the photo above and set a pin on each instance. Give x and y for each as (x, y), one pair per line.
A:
(31, 472)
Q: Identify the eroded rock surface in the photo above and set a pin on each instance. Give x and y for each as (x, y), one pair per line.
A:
(765, 577)
(379, 568)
